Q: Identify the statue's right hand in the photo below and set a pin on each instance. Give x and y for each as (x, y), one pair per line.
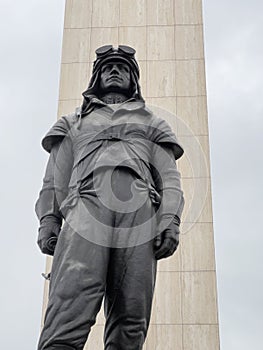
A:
(47, 237)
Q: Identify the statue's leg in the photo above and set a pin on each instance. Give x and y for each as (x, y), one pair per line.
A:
(132, 271)
(61, 347)
(76, 291)
(129, 294)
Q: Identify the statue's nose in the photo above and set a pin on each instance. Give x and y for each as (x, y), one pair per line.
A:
(115, 69)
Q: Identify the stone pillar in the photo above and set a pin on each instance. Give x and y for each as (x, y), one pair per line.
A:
(168, 37)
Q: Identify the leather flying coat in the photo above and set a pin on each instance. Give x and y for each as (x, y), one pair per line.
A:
(130, 136)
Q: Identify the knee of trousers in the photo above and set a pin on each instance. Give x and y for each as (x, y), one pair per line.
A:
(62, 347)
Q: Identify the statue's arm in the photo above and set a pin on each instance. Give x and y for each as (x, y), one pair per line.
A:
(53, 192)
(168, 184)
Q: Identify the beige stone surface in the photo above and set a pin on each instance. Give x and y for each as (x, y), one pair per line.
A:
(46, 289)
(189, 42)
(95, 338)
(76, 45)
(68, 106)
(199, 302)
(134, 37)
(160, 43)
(203, 337)
(188, 11)
(100, 317)
(193, 112)
(78, 14)
(73, 80)
(161, 79)
(160, 12)
(198, 204)
(167, 299)
(197, 248)
(133, 13)
(190, 78)
(105, 13)
(195, 162)
(207, 213)
(143, 76)
(100, 37)
(185, 166)
(165, 337)
(168, 104)
(173, 263)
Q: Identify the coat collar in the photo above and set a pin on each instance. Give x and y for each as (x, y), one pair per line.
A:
(93, 102)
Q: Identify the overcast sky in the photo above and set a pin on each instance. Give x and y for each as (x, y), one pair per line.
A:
(30, 44)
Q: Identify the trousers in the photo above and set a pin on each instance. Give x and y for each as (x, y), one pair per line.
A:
(85, 272)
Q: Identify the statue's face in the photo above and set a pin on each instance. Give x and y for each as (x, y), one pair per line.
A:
(115, 77)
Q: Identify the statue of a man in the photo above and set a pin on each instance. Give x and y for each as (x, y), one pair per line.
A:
(112, 179)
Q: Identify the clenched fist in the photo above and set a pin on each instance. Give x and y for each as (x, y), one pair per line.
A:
(166, 242)
(47, 236)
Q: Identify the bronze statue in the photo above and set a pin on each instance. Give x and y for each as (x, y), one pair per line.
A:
(112, 178)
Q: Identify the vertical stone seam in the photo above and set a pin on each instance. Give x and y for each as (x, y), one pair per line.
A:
(119, 21)
(181, 299)
(175, 83)
(146, 43)
(91, 31)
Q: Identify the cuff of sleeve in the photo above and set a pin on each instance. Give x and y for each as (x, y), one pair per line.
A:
(176, 220)
(168, 221)
(51, 223)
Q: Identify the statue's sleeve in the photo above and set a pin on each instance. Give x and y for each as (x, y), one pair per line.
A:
(162, 134)
(58, 132)
(57, 177)
(165, 151)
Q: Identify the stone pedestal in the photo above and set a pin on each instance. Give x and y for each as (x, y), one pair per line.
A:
(168, 37)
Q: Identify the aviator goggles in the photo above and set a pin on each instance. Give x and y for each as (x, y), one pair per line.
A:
(122, 49)
(123, 53)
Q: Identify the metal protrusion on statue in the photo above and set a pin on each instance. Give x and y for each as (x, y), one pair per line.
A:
(46, 276)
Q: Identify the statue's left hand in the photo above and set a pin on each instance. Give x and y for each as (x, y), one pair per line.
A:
(47, 237)
(167, 242)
